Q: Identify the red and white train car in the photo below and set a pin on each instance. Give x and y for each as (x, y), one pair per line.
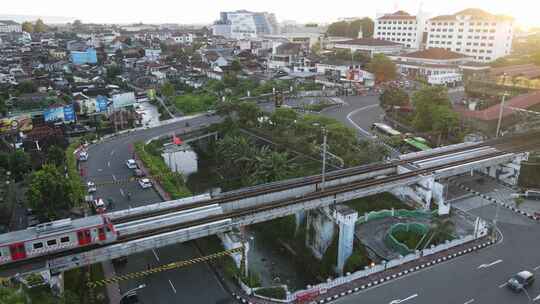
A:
(54, 237)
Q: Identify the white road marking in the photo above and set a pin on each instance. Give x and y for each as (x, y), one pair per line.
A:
(109, 164)
(398, 301)
(502, 285)
(356, 125)
(99, 170)
(536, 268)
(490, 264)
(537, 298)
(122, 192)
(469, 302)
(114, 177)
(155, 254)
(112, 152)
(172, 286)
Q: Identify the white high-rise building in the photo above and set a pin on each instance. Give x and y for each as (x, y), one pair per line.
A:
(244, 24)
(8, 26)
(400, 27)
(482, 36)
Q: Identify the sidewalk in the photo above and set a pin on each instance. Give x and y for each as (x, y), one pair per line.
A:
(378, 278)
(113, 289)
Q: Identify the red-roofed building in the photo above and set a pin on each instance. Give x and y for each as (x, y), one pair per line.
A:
(400, 27)
(437, 66)
(473, 32)
(487, 119)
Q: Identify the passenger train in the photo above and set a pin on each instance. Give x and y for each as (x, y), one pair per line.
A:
(57, 236)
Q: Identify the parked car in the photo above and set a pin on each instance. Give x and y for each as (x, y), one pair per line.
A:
(521, 280)
(99, 205)
(145, 183)
(91, 186)
(131, 163)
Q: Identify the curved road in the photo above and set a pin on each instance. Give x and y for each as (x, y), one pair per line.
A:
(464, 280)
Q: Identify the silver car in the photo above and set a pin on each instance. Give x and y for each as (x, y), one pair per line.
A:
(521, 280)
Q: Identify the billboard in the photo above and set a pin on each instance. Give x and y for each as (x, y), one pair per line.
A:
(64, 114)
(17, 123)
(101, 104)
(123, 100)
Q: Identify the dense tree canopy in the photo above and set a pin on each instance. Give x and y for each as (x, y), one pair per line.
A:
(433, 111)
(50, 192)
(351, 29)
(383, 68)
(392, 97)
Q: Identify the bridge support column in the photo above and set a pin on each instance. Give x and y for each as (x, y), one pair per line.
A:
(299, 217)
(233, 240)
(507, 173)
(346, 219)
(319, 231)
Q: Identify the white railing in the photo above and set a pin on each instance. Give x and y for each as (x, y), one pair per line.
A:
(323, 287)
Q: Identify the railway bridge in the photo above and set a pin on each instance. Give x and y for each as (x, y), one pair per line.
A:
(419, 176)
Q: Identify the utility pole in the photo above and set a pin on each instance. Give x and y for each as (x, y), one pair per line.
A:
(501, 110)
(325, 135)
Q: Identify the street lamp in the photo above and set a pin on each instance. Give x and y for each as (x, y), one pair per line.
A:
(324, 146)
(501, 110)
(496, 218)
(131, 292)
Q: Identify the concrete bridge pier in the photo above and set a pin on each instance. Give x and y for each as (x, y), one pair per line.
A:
(321, 228)
(232, 240)
(425, 192)
(507, 173)
(346, 219)
(299, 217)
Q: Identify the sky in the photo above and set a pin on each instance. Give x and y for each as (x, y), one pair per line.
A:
(206, 11)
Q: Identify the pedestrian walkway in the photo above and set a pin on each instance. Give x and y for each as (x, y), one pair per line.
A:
(113, 289)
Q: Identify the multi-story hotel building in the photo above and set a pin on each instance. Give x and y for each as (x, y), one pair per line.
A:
(400, 27)
(478, 34)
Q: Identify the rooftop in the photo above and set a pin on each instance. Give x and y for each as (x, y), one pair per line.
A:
(492, 113)
(475, 13)
(435, 54)
(369, 42)
(399, 15)
(529, 71)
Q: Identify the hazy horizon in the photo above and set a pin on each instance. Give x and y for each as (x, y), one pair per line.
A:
(205, 12)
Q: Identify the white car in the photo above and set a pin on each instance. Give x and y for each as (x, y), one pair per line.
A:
(131, 163)
(145, 183)
(91, 187)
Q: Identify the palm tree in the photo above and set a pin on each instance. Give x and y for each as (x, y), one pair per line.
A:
(441, 230)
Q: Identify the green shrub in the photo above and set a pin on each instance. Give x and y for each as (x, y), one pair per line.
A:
(77, 185)
(172, 182)
(272, 292)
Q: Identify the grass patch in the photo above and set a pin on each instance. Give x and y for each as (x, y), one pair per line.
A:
(411, 239)
(75, 179)
(75, 283)
(377, 202)
(172, 182)
(212, 244)
(272, 292)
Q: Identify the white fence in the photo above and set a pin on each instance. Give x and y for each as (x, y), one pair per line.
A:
(323, 287)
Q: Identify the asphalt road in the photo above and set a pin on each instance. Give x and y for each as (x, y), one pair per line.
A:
(106, 167)
(359, 112)
(464, 280)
